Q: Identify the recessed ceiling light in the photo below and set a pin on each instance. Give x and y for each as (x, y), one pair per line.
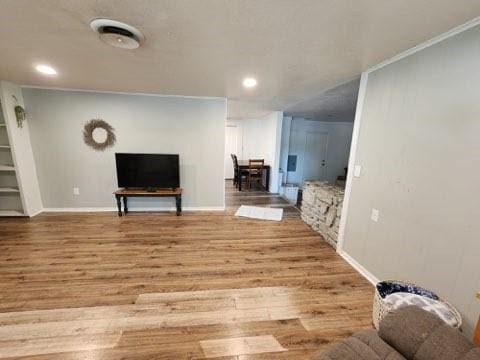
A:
(45, 69)
(249, 82)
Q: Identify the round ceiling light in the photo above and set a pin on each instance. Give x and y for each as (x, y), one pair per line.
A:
(45, 69)
(117, 34)
(249, 82)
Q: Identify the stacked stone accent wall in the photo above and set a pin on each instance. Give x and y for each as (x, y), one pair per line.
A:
(322, 207)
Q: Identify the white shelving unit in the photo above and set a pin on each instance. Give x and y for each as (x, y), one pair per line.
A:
(7, 189)
(7, 168)
(10, 196)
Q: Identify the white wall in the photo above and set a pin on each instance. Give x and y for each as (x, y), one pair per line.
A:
(338, 148)
(261, 139)
(419, 149)
(191, 127)
(284, 149)
(22, 155)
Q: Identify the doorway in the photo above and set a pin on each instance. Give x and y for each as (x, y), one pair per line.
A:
(315, 156)
(232, 145)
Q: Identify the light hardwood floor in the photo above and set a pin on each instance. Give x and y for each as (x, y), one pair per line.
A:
(158, 286)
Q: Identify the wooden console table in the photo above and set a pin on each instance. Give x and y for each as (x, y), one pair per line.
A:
(126, 193)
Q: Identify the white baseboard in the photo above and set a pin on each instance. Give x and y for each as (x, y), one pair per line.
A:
(35, 213)
(136, 209)
(82, 209)
(364, 272)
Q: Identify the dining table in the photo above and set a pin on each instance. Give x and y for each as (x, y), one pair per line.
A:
(244, 165)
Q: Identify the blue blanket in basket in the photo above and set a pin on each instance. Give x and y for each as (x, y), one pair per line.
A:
(386, 288)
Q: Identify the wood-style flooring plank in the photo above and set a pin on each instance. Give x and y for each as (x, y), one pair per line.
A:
(241, 346)
(156, 286)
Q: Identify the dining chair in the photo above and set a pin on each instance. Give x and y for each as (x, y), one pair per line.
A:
(243, 173)
(235, 170)
(255, 172)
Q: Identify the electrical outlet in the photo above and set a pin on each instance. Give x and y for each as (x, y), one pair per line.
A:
(357, 171)
(76, 191)
(375, 215)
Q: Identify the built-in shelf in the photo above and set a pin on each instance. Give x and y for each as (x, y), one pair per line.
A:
(9, 190)
(7, 168)
(11, 213)
(12, 199)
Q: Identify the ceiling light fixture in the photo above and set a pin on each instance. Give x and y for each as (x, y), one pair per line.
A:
(249, 82)
(117, 34)
(45, 69)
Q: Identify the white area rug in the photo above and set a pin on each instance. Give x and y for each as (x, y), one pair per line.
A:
(256, 212)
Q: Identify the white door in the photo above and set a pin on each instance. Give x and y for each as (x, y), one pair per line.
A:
(314, 164)
(231, 147)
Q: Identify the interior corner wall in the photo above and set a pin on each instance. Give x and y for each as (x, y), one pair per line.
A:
(194, 128)
(419, 149)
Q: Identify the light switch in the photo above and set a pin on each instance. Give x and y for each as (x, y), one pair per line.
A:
(76, 191)
(357, 171)
(375, 215)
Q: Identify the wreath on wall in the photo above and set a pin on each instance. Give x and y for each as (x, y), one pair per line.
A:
(108, 133)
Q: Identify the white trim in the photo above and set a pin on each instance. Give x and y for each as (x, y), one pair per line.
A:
(83, 209)
(26, 86)
(35, 213)
(452, 32)
(364, 272)
(362, 91)
(275, 182)
(143, 209)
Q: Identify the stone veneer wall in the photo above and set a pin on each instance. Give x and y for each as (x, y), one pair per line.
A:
(322, 207)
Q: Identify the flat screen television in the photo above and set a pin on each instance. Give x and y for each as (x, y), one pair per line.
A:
(147, 170)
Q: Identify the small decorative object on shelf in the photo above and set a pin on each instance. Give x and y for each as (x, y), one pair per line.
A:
(88, 134)
(19, 113)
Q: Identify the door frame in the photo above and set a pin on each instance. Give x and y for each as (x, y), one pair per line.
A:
(239, 149)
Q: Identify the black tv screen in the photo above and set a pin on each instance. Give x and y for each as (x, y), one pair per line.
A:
(147, 170)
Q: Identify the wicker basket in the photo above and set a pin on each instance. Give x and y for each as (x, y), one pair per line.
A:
(382, 308)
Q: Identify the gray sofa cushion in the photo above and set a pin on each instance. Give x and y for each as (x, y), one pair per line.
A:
(420, 335)
(473, 354)
(444, 343)
(364, 345)
(406, 329)
(408, 333)
(380, 347)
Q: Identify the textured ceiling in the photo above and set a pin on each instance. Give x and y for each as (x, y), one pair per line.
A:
(295, 48)
(336, 104)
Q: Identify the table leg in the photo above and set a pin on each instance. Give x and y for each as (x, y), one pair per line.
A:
(178, 201)
(119, 204)
(239, 178)
(125, 205)
(267, 179)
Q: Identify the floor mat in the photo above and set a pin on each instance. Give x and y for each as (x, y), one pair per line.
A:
(262, 213)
